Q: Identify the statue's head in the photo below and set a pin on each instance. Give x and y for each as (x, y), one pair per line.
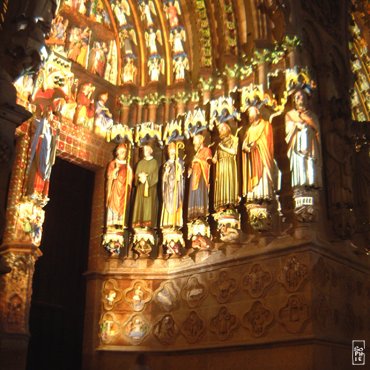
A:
(300, 100)
(148, 150)
(253, 114)
(198, 141)
(121, 151)
(224, 130)
(172, 150)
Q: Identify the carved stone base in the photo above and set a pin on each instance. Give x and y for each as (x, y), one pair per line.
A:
(305, 204)
(228, 224)
(260, 216)
(200, 235)
(113, 242)
(173, 242)
(143, 243)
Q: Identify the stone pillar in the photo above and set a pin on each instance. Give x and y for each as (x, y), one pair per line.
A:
(152, 110)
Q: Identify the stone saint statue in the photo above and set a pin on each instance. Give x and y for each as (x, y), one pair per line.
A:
(103, 116)
(146, 200)
(303, 139)
(258, 158)
(119, 183)
(172, 189)
(226, 186)
(199, 180)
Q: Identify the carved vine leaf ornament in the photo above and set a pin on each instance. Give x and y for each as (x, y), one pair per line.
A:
(137, 295)
(167, 296)
(224, 324)
(258, 319)
(293, 274)
(294, 315)
(257, 281)
(111, 294)
(194, 292)
(193, 328)
(136, 329)
(166, 330)
(224, 287)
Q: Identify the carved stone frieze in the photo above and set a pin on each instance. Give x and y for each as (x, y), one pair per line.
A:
(293, 274)
(194, 292)
(224, 287)
(137, 295)
(111, 294)
(166, 330)
(294, 315)
(109, 327)
(258, 319)
(136, 329)
(193, 328)
(257, 281)
(167, 296)
(223, 324)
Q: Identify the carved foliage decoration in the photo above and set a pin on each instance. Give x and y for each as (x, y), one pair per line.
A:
(166, 330)
(193, 328)
(293, 274)
(294, 315)
(109, 327)
(167, 296)
(258, 319)
(137, 295)
(110, 294)
(224, 287)
(194, 292)
(224, 324)
(16, 292)
(136, 329)
(257, 281)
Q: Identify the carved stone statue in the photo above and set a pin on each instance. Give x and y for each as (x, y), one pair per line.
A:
(303, 139)
(172, 190)
(258, 160)
(199, 180)
(226, 186)
(103, 116)
(146, 202)
(119, 182)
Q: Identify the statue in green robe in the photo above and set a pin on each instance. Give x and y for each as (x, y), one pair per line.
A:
(146, 199)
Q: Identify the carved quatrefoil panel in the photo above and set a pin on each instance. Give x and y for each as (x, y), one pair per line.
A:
(257, 281)
(293, 274)
(109, 327)
(110, 294)
(294, 315)
(136, 328)
(193, 328)
(167, 296)
(137, 295)
(258, 319)
(224, 287)
(194, 292)
(166, 330)
(224, 324)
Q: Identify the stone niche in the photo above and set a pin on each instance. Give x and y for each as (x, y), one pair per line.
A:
(287, 305)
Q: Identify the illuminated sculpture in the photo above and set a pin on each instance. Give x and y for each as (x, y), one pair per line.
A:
(144, 218)
(173, 10)
(103, 116)
(180, 65)
(198, 203)
(226, 194)
(42, 158)
(85, 110)
(129, 71)
(118, 192)
(304, 145)
(260, 173)
(173, 191)
(155, 67)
